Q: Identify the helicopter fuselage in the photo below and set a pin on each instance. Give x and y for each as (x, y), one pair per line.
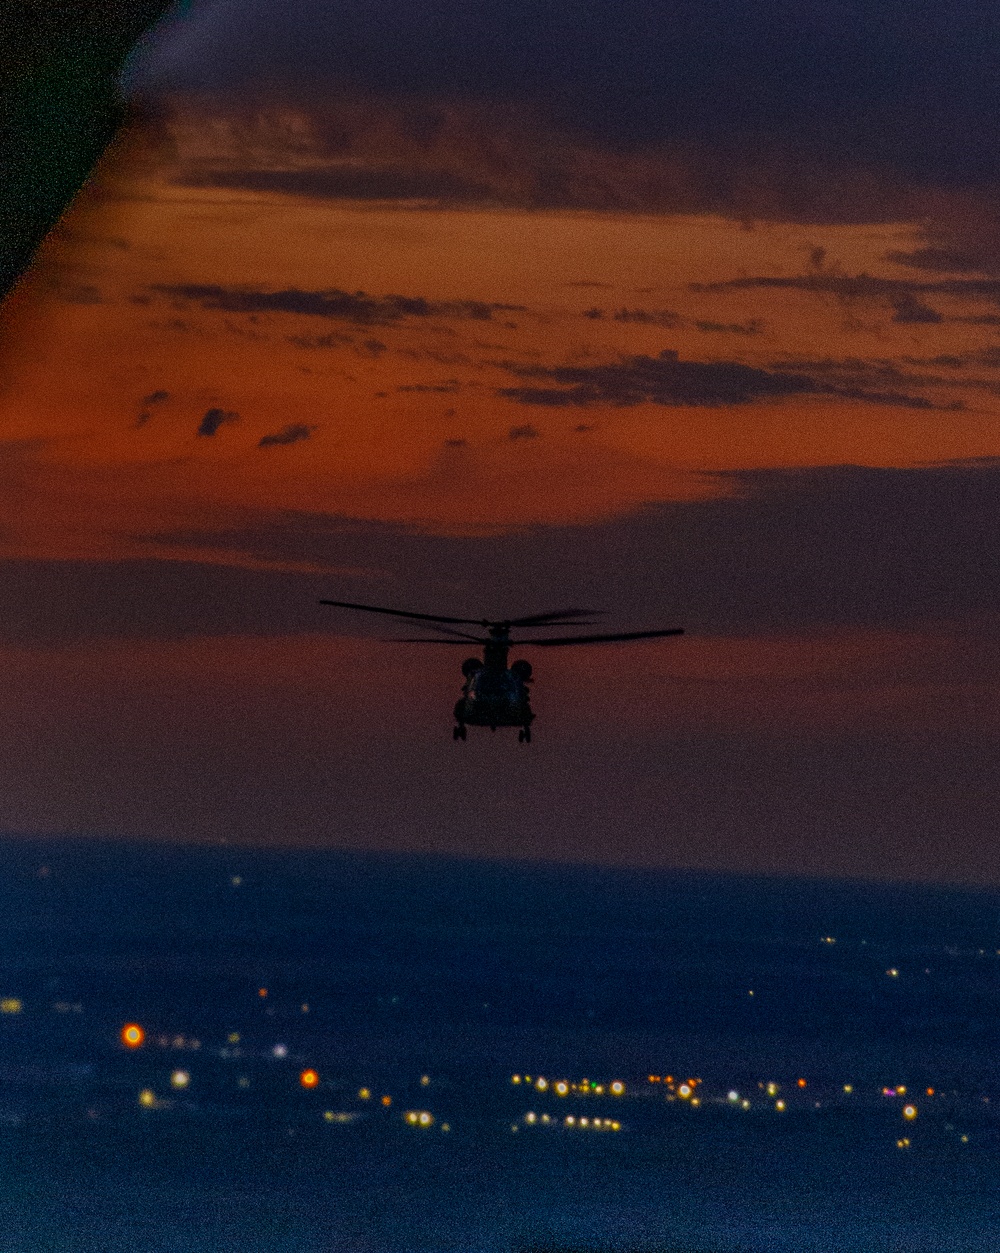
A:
(494, 694)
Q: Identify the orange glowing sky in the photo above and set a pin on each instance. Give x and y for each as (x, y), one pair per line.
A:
(505, 401)
(405, 417)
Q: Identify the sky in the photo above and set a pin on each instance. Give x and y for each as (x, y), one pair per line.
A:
(688, 313)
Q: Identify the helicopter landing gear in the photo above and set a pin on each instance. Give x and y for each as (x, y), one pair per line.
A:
(524, 735)
(459, 732)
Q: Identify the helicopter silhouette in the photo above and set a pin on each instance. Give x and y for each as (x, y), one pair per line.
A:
(495, 694)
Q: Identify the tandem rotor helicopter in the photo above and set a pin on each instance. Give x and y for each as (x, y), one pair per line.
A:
(495, 694)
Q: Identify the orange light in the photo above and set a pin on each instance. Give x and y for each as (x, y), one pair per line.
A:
(802, 1083)
(262, 991)
(930, 1091)
(132, 1035)
(309, 1078)
(386, 1100)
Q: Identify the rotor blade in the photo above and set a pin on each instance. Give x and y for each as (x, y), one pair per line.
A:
(462, 635)
(602, 639)
(403, 613)
(538, 619)
(465, 641)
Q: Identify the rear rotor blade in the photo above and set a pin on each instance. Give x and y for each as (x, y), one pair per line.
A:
(461, 635)
(540, 619)
(602, 639)
(403, 613)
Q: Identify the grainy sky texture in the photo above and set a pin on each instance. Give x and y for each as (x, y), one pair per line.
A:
(688, 312)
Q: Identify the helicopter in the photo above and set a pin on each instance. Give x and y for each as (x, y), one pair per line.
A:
(494, 693)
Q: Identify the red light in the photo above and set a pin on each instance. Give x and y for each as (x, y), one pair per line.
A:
(309, 1078)
(132, 1035)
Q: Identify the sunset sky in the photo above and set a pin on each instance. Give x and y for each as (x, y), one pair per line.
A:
(686, 314)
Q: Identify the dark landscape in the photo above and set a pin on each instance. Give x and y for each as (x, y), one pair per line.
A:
(534, 1028)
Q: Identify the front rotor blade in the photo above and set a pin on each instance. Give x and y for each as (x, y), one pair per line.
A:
(602, 639)
(538, 619)
(403, 613)
(465, 641)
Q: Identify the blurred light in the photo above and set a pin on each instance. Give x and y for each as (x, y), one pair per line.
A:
(745, 1104)
(147, 1098)
(364, 1094)
(965, 1139)
(542, 1084)
(617, 1087)
(280, 1050)
(562, 1087)
(893, 973)
(902, 1144)
(584, 1122)
(236, 880)
(262, 991)
(305, 1008)
(901, 1090)
(531, 1117)
(309, 1078)
(425, 1118)
(243, 1081)
(570, 1120)
(616, 1126)
(424, 1080)
(734, 1096)
(801, 1083)
(180, 1079)
(387, 1100)
(10, 1005)
(132, 1035)
(411, 1117)
(779, 1106)
(848, 1088)
(515, 1078)
(445, 1126)
(909, 1112)
(598, 1088)
(684, 1090)
(233, 1037)
(930, 1091)
(696, 1101)
(772, 1089)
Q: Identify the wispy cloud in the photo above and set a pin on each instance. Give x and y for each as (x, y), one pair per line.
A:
(294, 433)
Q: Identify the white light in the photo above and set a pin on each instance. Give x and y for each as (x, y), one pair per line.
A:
(280, 1050)
(734, 1096)
(180, 1079)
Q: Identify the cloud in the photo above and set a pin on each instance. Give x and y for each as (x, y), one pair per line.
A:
(356, 307)
(214, 419)
(666, 380)
(775, 551)
(861, 286)
(294, 433)
(154, 398)
(909, 309)
(752, 327)
(841, 83)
